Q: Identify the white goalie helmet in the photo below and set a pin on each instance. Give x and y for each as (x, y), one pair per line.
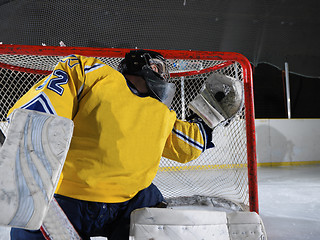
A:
(152, 68)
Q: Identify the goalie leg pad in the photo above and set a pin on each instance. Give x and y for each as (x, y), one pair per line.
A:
(31, 160)
(176, 224)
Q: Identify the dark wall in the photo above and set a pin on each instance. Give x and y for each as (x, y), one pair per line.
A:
(270, 94)
(273, 31)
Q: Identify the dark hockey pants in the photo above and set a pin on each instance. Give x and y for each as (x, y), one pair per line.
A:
(111, 220)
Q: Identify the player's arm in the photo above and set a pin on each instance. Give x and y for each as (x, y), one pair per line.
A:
(220, 101)
(188, 140)
(56, 93)
(60, 92)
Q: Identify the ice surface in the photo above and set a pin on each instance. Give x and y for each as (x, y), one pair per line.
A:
(289, 199)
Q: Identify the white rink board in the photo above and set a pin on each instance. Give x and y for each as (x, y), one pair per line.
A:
(287, 140)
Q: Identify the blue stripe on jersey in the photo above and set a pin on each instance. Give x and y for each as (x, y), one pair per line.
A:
(80, 91)
(40, 103)
(88, 69)
(72, 60)
(188, 140)
(203, 134)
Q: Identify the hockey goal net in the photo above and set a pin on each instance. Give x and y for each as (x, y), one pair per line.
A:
(226, 172)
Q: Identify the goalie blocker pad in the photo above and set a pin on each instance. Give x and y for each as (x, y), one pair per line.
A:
(31, 160)
(220, 99)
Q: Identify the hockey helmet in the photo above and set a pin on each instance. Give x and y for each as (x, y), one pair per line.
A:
(152, 68)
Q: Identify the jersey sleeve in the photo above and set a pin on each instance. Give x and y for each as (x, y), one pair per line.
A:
(60, 92)
(186, 142)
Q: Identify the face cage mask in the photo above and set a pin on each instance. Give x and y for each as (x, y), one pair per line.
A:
(160, 66)
(152, 68)
(158, 87)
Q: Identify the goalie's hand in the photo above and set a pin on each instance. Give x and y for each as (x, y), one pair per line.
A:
(204, 128)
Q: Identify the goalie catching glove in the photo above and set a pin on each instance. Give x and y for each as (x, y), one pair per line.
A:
(220, 100)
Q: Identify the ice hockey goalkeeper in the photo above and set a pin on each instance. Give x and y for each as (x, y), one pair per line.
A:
(122, 127)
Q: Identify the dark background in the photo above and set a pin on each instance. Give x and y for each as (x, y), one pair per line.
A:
(269, 33)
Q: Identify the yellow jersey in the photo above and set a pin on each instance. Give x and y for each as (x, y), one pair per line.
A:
(118, 137)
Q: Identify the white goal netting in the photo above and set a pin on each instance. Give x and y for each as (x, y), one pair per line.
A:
(221, 172)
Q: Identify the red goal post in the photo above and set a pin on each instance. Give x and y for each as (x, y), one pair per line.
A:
(229, 171)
